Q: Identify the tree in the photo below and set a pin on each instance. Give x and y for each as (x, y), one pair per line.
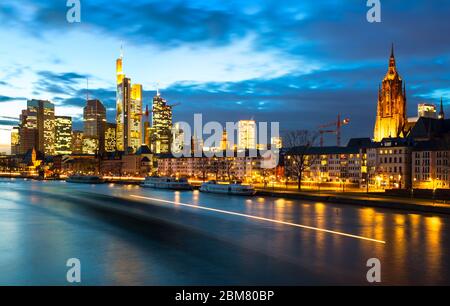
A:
(214, 166)
(203, 165)
(228, 167)
(299, 155)
(266, 173)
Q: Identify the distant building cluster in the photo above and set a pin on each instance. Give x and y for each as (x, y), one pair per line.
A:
(129, 146)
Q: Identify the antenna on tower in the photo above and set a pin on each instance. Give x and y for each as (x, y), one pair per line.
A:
(157, 89)
(121, 50)
(87, 89)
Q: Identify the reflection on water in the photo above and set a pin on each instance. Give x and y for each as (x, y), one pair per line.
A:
(433, 245)
(42, 226)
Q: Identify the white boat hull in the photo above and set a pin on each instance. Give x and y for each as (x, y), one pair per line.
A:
(224, 189)
(167, 186)
(166, 183)
(86, 180)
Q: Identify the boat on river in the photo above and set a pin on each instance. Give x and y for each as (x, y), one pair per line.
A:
(85, 179)
(166, 183)
(233, 188)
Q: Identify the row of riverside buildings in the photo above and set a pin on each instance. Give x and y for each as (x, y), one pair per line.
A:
(403, 152)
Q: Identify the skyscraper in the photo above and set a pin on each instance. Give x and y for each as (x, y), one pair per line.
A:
(135, 118)
(94, 115)
(123, 98)
(161, 130)
(441, 111)
(15, 140)
(391, 109)
(37, 127)
(246, 134)
(63, 137)
(27, 131)
(110, 137)
(147, 129)
(128, 111)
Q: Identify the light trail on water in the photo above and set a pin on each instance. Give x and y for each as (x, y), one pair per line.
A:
(262, 219)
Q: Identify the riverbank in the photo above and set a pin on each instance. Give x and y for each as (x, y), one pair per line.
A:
(349, 198)
(108, 179)
(364, 200)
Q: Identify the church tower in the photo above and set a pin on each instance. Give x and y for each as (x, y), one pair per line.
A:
(391, 110)
(441, 111)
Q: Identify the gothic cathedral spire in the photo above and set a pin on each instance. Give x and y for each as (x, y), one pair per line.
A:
(441, 111)
(391, 112)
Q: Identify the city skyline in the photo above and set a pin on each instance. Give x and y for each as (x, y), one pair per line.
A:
(224, 151)
(308, 72)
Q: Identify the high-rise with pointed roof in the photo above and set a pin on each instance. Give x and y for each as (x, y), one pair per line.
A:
(161, 130)
(128, 111)
(441, 111)
(391, 110)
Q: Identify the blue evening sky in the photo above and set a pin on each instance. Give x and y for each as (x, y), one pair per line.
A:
(296, 62)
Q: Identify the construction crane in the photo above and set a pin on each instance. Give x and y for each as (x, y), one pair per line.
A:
(338, 125)
(173, 105)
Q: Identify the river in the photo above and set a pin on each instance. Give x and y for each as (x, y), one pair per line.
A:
(206, 239)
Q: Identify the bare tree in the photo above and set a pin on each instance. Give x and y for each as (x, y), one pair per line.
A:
(118, 168)
(228, 166)
(215, 166)
(203, 165)
(266, 173)
(299, 155)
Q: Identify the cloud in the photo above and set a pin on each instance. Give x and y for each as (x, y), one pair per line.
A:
(352, 54)
(66, 77)
(58, 83)
(9, 99)
(298, 101)
(77, 101)
(8, 122)
(326, 29)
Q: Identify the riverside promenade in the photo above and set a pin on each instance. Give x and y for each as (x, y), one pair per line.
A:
(363, 199)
